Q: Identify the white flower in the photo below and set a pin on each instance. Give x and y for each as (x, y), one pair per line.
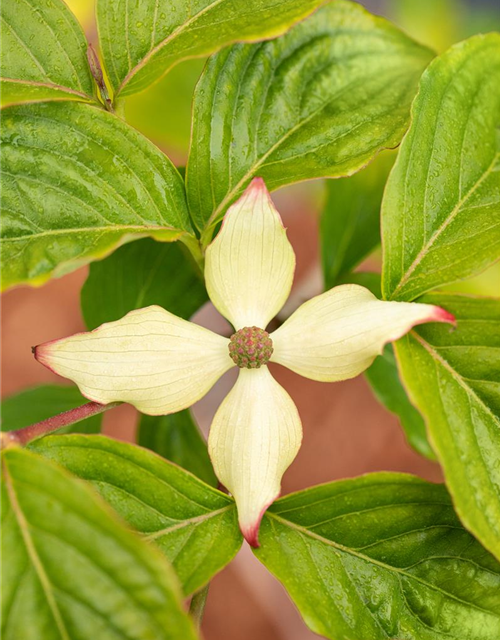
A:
(161, 364)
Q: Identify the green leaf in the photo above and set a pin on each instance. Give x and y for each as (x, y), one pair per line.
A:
(76, 182)
(195, 525)
(453, 377)
(39, 403)
(138, 275)
(177, 438)
(382, 557)
(71, 570)
(384, 380)
(319, 101)
(140, 42)
(44, 53)
(441, 208)
(350, 220)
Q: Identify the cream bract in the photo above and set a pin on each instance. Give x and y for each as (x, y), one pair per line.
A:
(161, 363)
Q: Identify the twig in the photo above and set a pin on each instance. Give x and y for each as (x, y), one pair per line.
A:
(27, 434)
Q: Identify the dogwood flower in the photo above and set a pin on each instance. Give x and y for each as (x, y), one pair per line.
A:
(161, 363)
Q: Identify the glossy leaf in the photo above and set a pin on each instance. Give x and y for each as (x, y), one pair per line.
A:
(39, 403)
(141, 41)
(76, 182)
(319, 101)
(454, 380)
(350, 219)
(384, 380)
(44, 53)
(441, 209)
(195, 525)
(177, 438)
(382, 557)
(71, 570)
(138, 275)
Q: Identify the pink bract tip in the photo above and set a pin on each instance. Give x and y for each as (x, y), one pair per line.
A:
(441, 315)
(258, 184)
(40, 353)
(251, 532)
(37, 352)
(251, 535)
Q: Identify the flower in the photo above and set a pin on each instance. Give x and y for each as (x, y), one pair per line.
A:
(161, 364)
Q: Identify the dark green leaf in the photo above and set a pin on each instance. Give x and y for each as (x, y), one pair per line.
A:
(177, 438)
(453, 377)
(195, 525)
(138, 275)
(382, 557)
(39, 403)
(43, 54)
(350, 220)
(384, 380)
(141, 41)
(441, 208)
(71, 571)
(319, 101)
(76, 182)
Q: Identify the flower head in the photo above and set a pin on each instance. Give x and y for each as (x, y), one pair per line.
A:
(161, 364)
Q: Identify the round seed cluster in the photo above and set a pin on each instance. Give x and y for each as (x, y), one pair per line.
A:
(250, 347)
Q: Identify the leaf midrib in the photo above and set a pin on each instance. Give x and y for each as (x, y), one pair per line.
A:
(32, 553)
(460, 379)
(89, 446)
(48, 85)
(53, 232)
(444, 225)
(177, 31)
(186, 523)
(400, 572)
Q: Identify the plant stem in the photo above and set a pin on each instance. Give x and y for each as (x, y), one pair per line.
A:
(197, 606)
(193, 244)
(206, 237)
(119, 107)
(27, 434)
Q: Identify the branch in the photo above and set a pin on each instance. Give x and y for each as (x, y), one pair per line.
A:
(27, 434)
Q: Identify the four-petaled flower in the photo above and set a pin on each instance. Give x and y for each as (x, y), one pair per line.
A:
(161, 364)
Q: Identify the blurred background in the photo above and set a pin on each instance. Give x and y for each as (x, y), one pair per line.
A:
(346, 431)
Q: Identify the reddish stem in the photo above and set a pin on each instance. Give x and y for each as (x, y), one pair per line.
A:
(27, 434)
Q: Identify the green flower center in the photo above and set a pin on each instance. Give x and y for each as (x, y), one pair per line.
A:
(250, 348)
